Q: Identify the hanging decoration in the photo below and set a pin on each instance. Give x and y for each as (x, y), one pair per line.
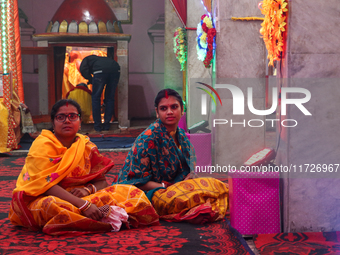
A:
(4, 38)
(180, 46)
(180, 6)
(273, 27)
(206, 40)
(11, 73)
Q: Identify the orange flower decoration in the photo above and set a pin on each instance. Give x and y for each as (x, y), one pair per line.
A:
(273, 27)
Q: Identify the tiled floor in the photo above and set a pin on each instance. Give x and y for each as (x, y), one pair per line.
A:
(114, 128)
(251, 245)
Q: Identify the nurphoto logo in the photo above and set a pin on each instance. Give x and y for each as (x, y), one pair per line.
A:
(204, 97)
(239, 103)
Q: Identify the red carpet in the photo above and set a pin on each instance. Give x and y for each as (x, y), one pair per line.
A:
(168, 238)
(311, 243)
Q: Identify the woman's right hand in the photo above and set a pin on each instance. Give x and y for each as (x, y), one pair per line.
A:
(93, 213)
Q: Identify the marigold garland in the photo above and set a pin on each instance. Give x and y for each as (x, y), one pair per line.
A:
(206, 34)
(180, 46)
(247, 18)
(273, 27)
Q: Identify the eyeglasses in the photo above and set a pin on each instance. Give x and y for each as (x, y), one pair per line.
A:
(71, 116)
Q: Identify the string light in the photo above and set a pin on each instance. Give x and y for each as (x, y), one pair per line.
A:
(205, 8)
(4, 39)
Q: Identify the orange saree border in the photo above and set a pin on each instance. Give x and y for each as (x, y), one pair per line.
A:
(84, 226)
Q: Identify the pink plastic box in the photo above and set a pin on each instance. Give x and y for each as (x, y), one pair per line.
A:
(201, 143)
(255, 202)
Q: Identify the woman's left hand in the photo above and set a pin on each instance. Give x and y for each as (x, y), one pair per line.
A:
(79, 192)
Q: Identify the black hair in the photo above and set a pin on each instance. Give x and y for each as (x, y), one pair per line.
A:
(82, 85)
(62, 102)
(168, 92)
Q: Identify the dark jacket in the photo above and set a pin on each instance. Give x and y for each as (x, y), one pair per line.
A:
(93, 63)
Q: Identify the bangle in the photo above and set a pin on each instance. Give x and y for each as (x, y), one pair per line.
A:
(163, 184)
(88, 190)
(83, 206)
(87, 207)
(93, 188)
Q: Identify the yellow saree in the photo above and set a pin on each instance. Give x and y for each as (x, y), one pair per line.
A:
(197, 201)
(156, 157)
(3, 128)
(49, 163)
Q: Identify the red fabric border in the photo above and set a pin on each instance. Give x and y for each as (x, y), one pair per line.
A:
(24, 214)
(180, 7)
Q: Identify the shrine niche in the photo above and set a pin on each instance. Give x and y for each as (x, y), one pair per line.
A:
(80, 28)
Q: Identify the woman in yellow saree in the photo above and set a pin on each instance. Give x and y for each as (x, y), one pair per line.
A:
(62, 187)
(161, 162)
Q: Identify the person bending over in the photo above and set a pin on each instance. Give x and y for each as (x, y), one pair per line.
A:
(105, 71)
